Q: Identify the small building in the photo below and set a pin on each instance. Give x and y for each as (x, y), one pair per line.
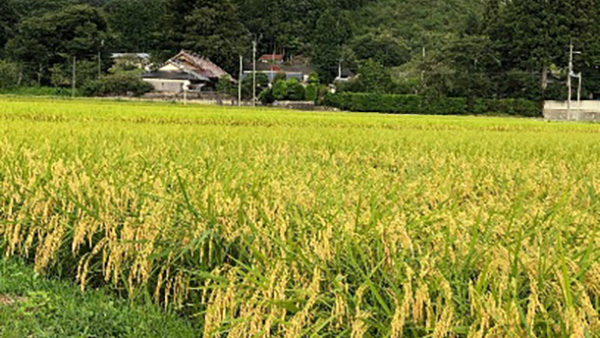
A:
(344, 75)
(272, 58)
(297, 70)
(272, 70)
(131, 61)
(198, 72)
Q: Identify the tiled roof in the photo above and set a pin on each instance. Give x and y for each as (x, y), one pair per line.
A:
(271, 57)
(198, 64)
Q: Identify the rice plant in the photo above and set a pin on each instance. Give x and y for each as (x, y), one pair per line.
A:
(276, 223)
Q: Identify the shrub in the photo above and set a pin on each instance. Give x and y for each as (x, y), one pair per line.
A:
(295, 90)
(118, 85)
(516, 107)
(311, 92)
(414, 104)
(262, 82)
(291, 90)
(266, 96)
(61, 74)
(385, 103)
(322, 92)
(281, 76)
(9, 75)
(280, 90)
(313, 78)
(226, 86)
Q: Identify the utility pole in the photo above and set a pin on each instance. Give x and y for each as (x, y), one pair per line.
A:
(74, 78)
(580, 76)
(570, 82)
(240, 80)
(100, 59)
(254, 73)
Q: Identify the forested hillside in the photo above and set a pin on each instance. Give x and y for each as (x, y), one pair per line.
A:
(491, 48)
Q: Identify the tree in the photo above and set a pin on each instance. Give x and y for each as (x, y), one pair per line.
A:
(464, 68)
(382, 47)
(35, 8)
(534, 35)
(54, 38)
(135, 24)
(61, 74)
(226, 86)
(9, 74)
(529, 36)
(262, 82)
(332, 32)
(214, 30)
(491, 16)
(373, 77)
(8, 19)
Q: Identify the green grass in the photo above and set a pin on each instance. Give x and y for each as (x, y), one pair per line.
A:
(53, 308)
(258, 223)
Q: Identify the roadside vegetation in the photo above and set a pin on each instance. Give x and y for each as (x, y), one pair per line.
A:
(32, 305)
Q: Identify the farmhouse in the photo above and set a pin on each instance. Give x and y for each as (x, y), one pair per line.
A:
(184, 68)
(272, 64)
(272, 58)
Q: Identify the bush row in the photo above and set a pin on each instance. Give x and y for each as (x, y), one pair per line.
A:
(415, 104)
(118, 85)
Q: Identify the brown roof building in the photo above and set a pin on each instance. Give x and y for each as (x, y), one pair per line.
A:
(185, 69)
(271, 58)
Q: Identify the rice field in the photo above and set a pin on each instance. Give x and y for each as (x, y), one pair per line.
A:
(267, 223)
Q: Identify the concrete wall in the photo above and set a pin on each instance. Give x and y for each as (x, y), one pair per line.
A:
(587, 111)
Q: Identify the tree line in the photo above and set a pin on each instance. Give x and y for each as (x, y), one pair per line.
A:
(465, 48)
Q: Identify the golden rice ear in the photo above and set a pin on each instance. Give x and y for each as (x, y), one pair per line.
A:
(279, 223)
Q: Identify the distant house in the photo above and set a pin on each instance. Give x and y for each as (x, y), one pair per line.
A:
(272, 58)
(271, 64)
(131, 60)
(344, 75)
(185, 68)
(138, 56)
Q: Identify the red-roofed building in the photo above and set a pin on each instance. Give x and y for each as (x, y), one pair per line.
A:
(271, 58)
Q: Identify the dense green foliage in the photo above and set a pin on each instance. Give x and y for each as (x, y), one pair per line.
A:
(415, 104)
(458, 48)
(34, 306)
(118, 85)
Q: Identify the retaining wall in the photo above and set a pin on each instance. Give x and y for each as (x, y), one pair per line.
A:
(586, 111)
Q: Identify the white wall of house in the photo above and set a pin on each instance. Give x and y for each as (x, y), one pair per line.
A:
(169, 67)
(167, 86)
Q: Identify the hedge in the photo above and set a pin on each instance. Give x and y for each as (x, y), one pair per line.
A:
(118, 85)
(415, 104)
